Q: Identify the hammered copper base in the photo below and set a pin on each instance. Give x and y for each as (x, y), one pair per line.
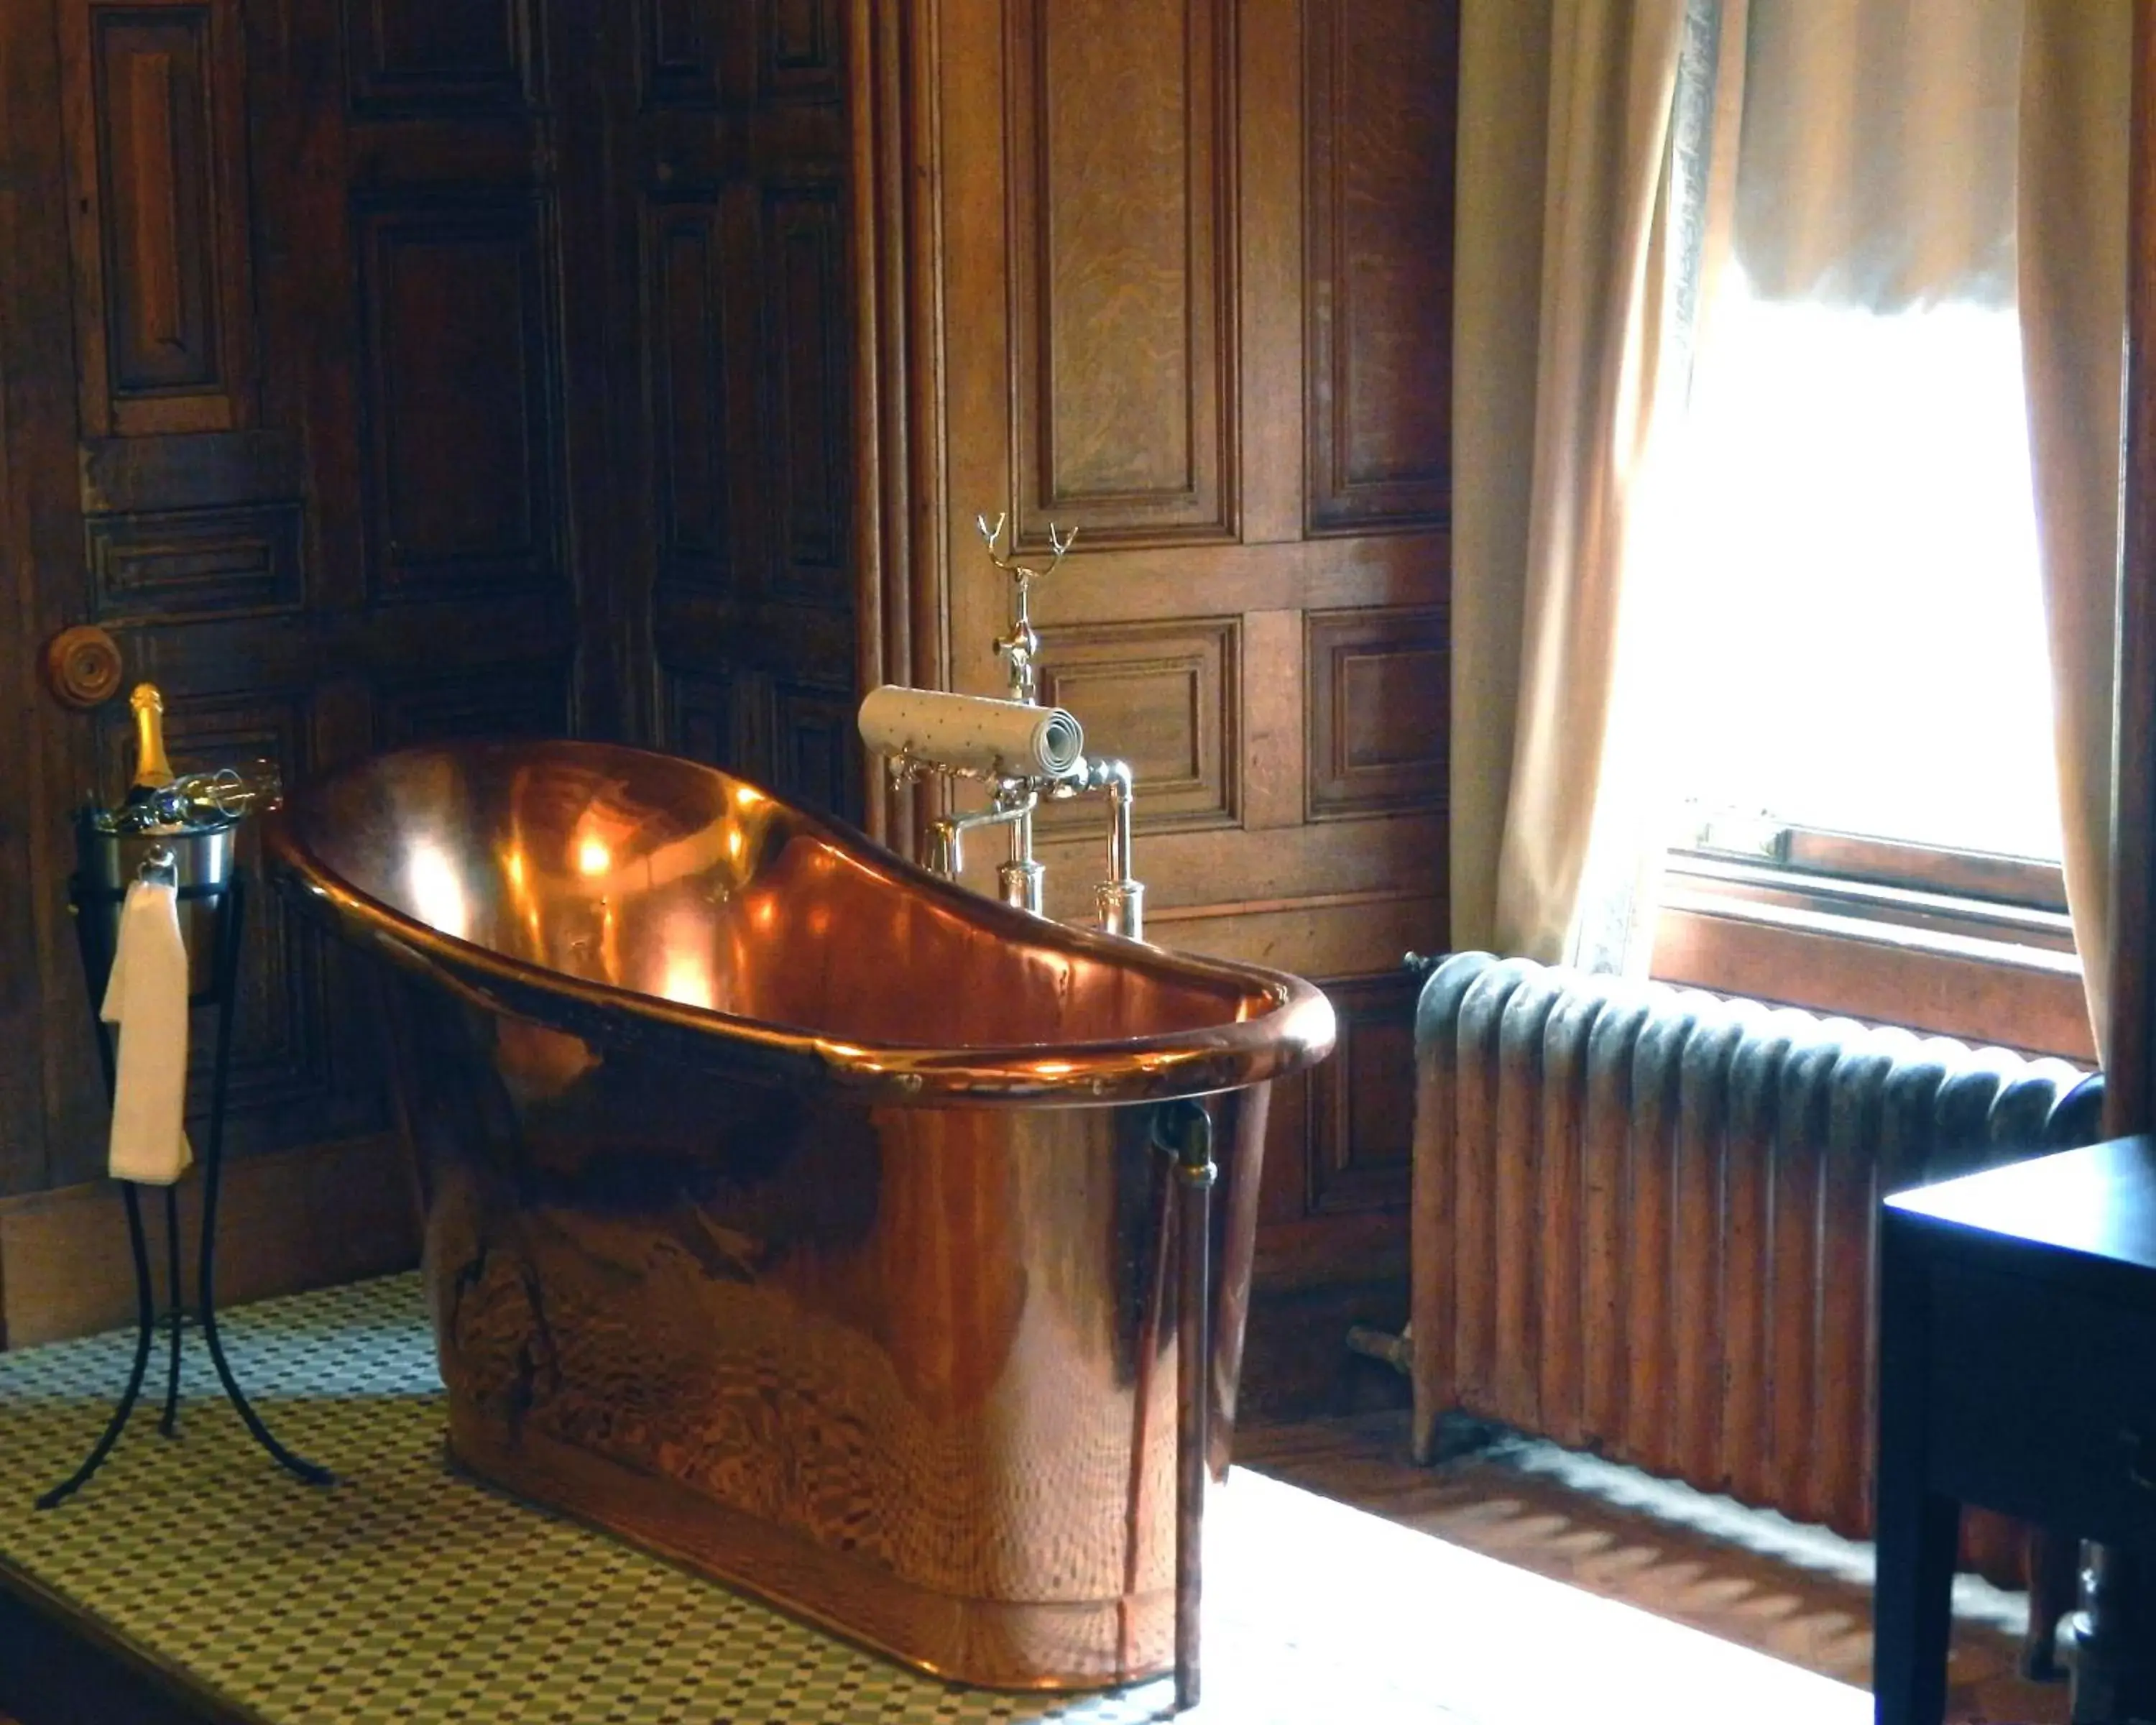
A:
(997, 1644)
(854, 1305)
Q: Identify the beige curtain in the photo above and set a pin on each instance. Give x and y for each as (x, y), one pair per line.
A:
(2075, 60)
(1540, 610)
(1497, 266)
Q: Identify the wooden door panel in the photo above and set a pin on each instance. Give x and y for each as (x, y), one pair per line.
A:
(415, 59)
(521, 700)
(1198, 275)
(384, 370)
(1380, 700)
(319, 447)
(684, 264)
(1380, 76)
(157, 189)
(172, 566)
(459, 405)
(1171, 691)
(1124, 360)
(739, 171)
(800, 58)
(806, 431)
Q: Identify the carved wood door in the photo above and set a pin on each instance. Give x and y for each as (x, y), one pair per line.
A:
(371, 370)
(1197, 264)
(730, 215)
(293, 428)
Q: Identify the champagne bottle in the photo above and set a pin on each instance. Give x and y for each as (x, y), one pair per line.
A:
(153, 772)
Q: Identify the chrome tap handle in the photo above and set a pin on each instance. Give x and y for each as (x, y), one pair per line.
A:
(1020, 648)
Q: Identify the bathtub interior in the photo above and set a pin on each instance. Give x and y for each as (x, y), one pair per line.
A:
(661, 877)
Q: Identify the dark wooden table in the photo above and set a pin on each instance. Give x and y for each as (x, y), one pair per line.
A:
(2018, 1371)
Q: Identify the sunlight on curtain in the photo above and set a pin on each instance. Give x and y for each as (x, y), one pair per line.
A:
(1860, 600)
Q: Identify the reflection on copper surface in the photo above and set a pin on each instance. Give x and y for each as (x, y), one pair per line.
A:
(769, 1221)
(437, 893)
(473, 859)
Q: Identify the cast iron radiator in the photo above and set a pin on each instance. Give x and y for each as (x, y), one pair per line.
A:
(1643, 1220)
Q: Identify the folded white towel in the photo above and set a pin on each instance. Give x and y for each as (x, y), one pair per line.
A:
(147, 998)
(971, 731)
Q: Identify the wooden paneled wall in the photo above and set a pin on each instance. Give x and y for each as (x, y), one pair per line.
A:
(1193, 266)
(376, 372)
(381, 372)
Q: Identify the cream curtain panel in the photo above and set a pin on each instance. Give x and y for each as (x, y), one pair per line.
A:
(2075, 85)
(1539, 544)
(1496, 297)
(1565, 352)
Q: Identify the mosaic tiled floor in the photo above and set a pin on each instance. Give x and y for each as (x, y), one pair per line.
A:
(406, 1594)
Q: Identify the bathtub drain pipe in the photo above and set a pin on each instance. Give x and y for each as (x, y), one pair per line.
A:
(1185, 1130)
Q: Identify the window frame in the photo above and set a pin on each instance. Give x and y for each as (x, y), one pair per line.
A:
(1956, 942)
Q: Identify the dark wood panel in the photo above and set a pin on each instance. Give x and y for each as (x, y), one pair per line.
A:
(1296, 1360)
(1163, 696)
(1123, 269)
(160, 232)
(1382, 77)
(684, 320)
(1379, 709)
(451, 58)
(809, 431)
(519, 700)
(208, 470)
(806, 643)
(680, 54)
(309, 1218)
(184, 563)
(1160, 581)
(153, 110)
(441, 502)
(1362, 1100)
(816, 749)
(461, 416)
(699, 716)
(801, 59)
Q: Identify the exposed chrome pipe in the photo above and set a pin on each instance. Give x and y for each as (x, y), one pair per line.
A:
(1119, 901)
(947, 851)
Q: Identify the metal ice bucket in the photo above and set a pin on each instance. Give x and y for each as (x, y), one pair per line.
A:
(192, 822)
(111, 854)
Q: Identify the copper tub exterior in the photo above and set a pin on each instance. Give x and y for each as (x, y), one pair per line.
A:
(790, 1210)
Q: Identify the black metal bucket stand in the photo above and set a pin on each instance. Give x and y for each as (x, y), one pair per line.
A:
(97, 957)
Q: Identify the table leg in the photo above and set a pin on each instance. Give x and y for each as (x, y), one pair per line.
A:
(1919, 1531)
(2115, 1639)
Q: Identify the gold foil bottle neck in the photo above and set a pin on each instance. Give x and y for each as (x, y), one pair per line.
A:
(152, 771)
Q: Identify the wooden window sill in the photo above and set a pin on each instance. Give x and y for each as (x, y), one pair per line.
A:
(1944, 974)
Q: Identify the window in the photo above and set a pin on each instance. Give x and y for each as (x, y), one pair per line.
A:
(1864, 751)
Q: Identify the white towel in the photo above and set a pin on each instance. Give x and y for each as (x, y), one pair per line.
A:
(147, 998)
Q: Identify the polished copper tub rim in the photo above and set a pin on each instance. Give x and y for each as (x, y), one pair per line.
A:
(1296, 1031)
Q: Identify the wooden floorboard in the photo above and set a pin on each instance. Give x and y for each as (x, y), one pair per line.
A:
(1809, 1615)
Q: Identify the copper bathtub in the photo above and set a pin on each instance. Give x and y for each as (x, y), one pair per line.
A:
(792, 1211)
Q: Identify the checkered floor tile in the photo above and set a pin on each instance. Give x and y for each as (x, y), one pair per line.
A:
(406, 1594)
